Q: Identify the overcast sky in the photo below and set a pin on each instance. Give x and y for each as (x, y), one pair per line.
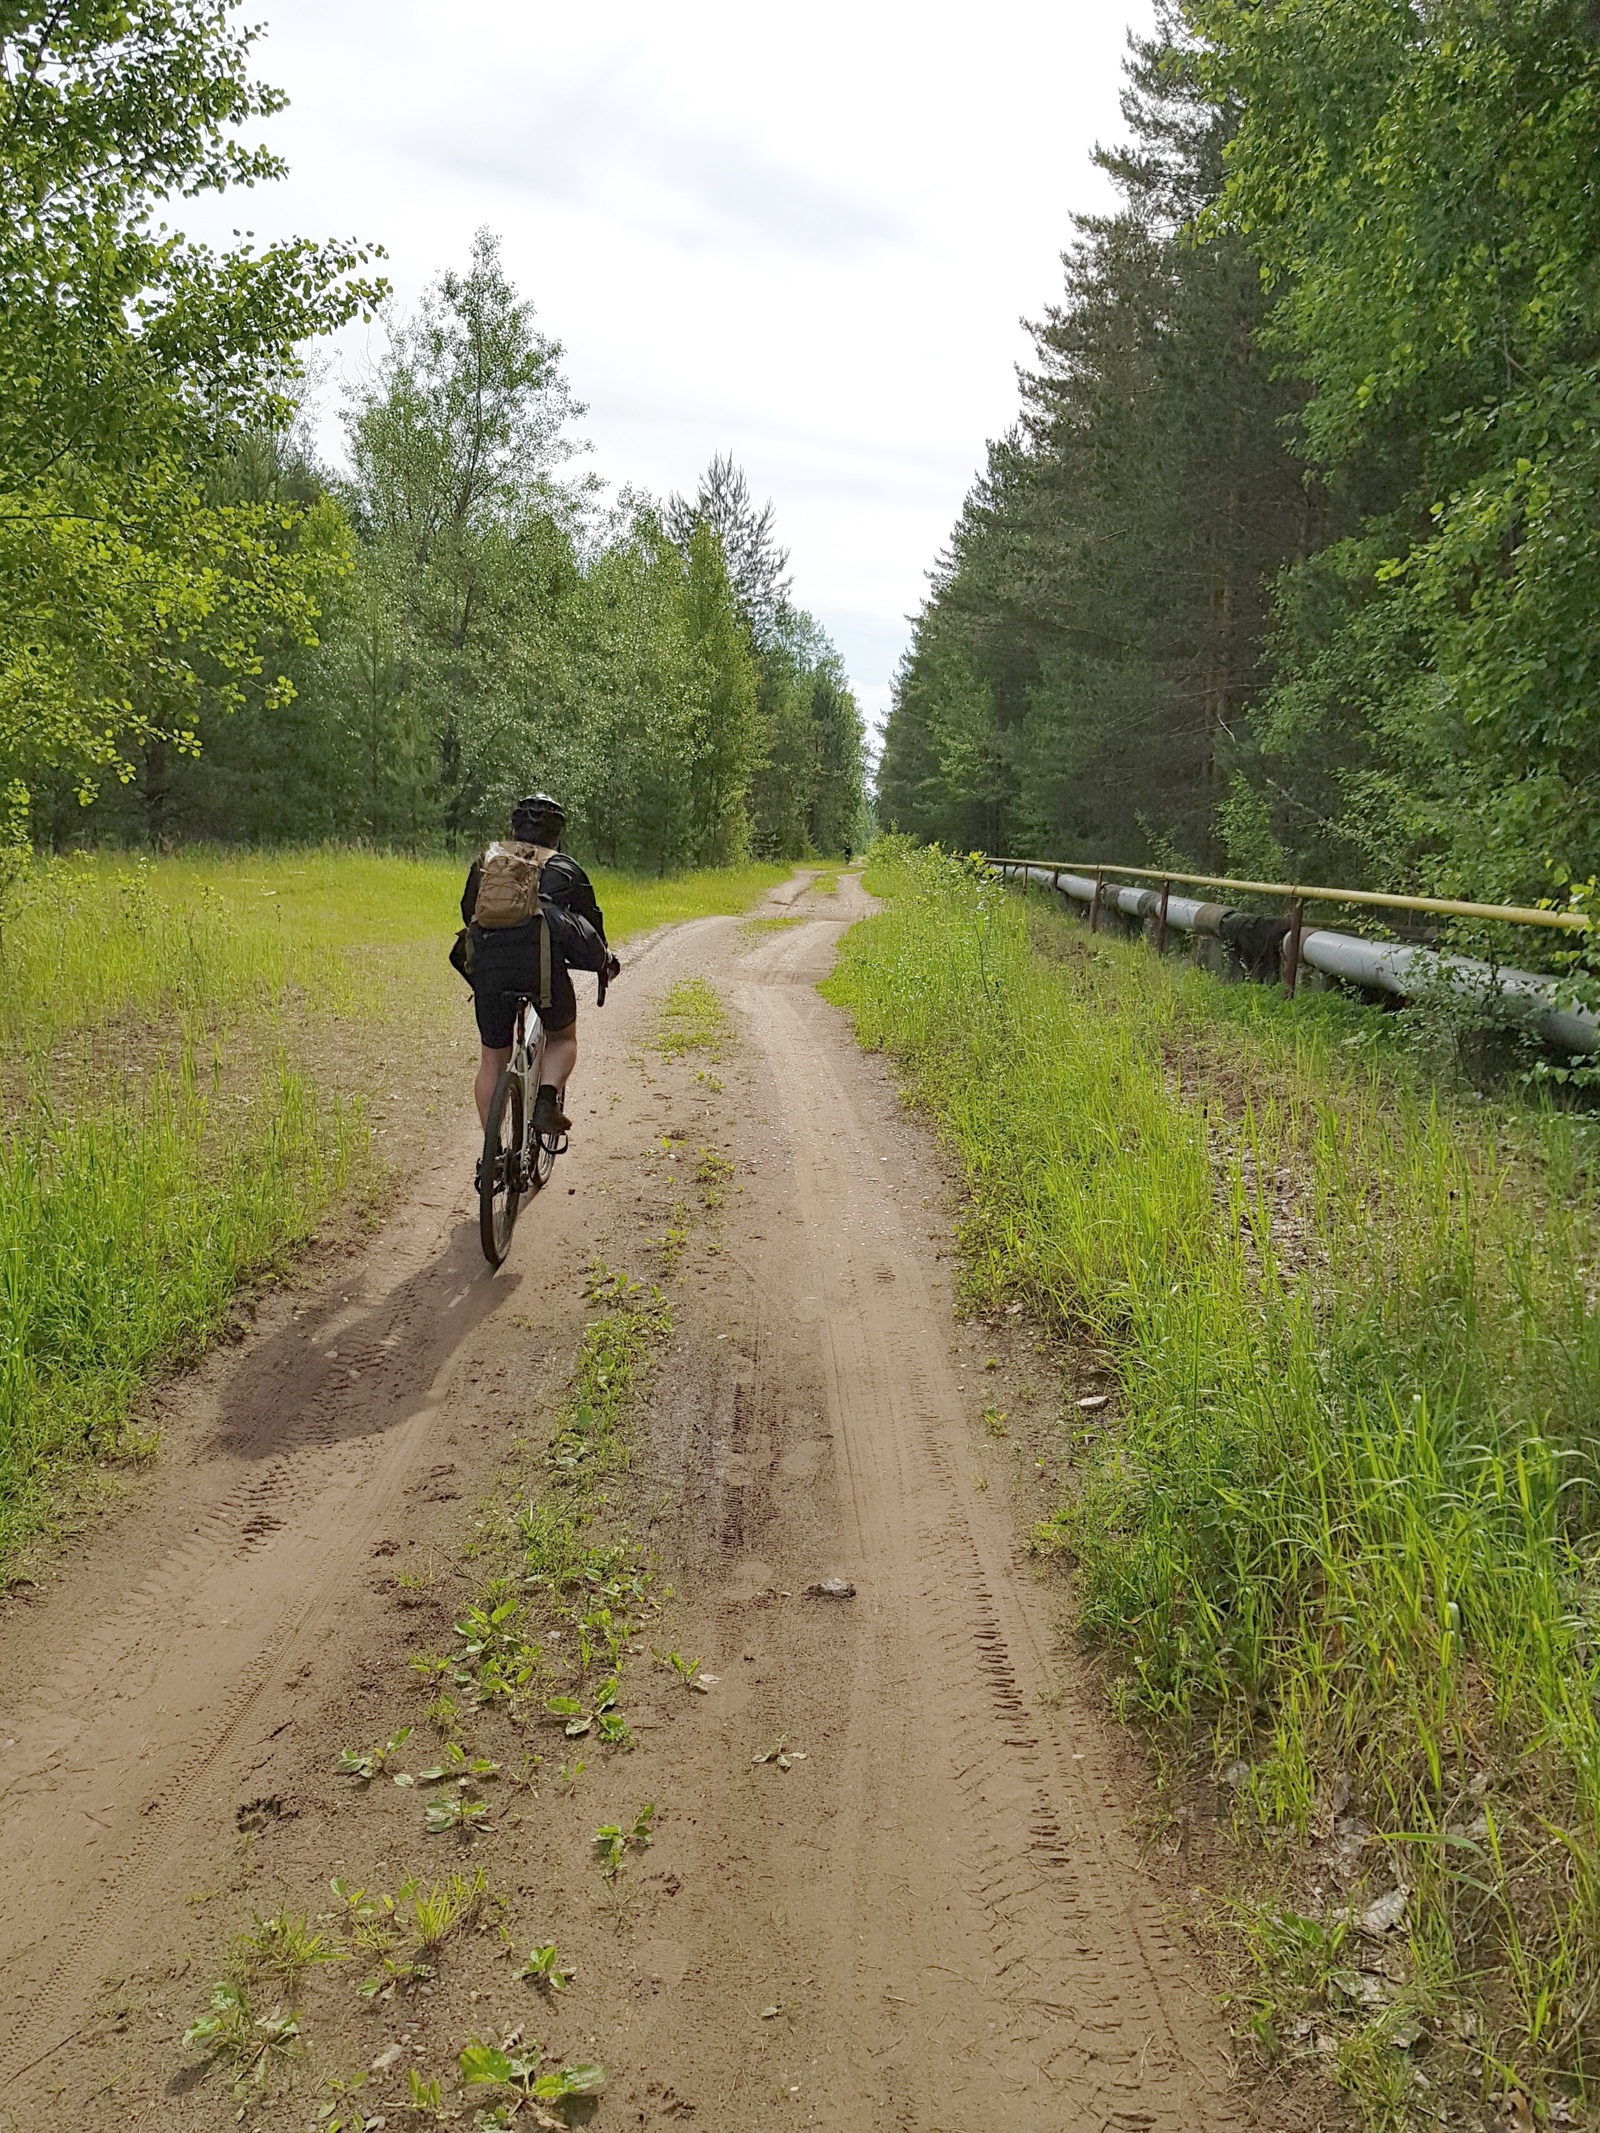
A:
(802, 235)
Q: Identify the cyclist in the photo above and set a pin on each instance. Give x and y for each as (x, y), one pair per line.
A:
(504, 962)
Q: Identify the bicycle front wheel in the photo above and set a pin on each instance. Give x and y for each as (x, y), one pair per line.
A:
(500, 1175)
(541, 1161)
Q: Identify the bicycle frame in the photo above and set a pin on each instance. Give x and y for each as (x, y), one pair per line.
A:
(527, 1053)
(517, 1161)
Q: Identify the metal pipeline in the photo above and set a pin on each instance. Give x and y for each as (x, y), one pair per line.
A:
(1382, 966)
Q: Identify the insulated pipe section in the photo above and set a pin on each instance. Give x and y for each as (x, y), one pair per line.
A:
(1382, 966)
(1182, 911)
(1390, 966)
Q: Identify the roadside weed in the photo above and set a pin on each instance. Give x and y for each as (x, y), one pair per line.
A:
(139, 1443)
(489, 1632)
(672, 1242)
(457, 1816)
(611, 1842)
(420, 1580)
(558, 1598)
(425, 2097)
(372, 1921)
(497, 1664)
(339, 2115)
(781, 1756)
(459, 1765)
(578, 1718)
(613, 1351)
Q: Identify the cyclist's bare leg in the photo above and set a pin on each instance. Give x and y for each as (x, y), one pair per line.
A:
(560, 1056)
(490, 1067)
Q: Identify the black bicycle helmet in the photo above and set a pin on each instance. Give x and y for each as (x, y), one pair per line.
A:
(539, 819)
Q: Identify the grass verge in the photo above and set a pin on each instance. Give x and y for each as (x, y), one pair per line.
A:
(1340, 1540)
(124, 1234)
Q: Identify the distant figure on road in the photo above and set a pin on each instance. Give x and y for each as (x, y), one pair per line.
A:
(503, 959)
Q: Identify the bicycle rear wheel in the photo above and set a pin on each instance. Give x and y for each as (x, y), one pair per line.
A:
(500, 1175)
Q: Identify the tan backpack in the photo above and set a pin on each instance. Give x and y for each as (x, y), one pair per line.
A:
(508, 884)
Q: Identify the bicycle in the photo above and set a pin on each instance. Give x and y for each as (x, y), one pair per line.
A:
(517, 1162)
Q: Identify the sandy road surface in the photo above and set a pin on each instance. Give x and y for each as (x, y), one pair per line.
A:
(933, 1919)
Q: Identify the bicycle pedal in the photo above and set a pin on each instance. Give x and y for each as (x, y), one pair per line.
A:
(560, 1145)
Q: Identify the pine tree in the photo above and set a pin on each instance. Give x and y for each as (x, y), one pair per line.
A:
(1095, 628)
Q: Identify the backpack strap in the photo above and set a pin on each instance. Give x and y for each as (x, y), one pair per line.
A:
(544, 965)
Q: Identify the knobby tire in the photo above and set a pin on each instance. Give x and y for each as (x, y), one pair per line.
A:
(500, 1179)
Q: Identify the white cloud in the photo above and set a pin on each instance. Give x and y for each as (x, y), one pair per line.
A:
(804, 238)
(598, 146)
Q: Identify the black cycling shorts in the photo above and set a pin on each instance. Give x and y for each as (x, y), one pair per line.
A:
(505, 966)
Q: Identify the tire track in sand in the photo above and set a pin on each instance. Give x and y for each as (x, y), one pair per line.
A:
(981, 1880)
(127, 1744)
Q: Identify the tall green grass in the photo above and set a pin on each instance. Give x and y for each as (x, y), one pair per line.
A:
(175, 1038)
(1344, 1528)
(124, 1233)
(209, 935)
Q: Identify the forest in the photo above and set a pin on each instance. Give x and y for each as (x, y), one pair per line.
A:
(208, 634)
(1289, 563)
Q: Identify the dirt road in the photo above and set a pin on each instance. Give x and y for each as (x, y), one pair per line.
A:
(933, 1919)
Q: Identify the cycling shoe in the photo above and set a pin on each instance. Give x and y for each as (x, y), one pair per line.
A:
(549, 1120)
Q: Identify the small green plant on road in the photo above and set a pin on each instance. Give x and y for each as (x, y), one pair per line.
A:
(515, 2072)
(366, 1763)
(523, 2087)
(425, 2099)
(255, 2048)
(279, 1950)
(448, 1907)
(457, 1816)
(691, 1019)
(543, 1968)
(612, 1841)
